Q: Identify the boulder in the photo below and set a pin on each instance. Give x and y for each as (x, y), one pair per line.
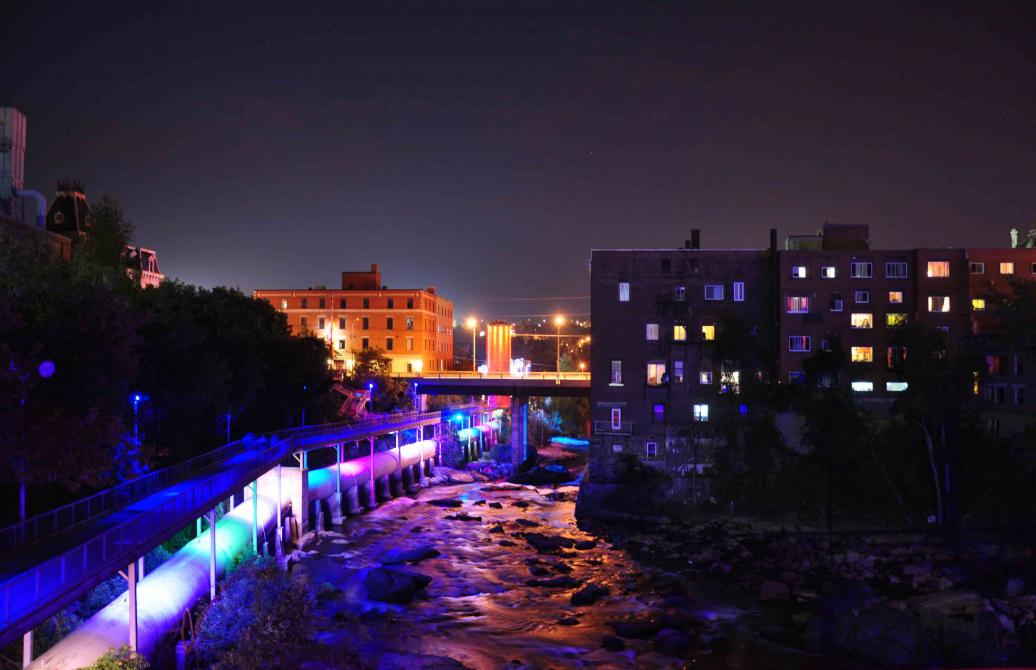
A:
(568, 621)
(415, 555)
(394, 586)
(613, 643)
(462, 516)
(529, 523)
(636, 629)
(586, 544)
(445, 502)
(589, 594)
(548, 544)
(672, 642)
(496, 505)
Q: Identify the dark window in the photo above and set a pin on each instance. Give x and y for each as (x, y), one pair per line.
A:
(323, 303)
(389, 344)
(305, 303)
(667, 266)
(390, 323)
(365, 342)
(341, 303)
(391, 303)
(341, 323)
(366, 324)
(409, 303)
(320, 323)
(305, 323)
(366, 303)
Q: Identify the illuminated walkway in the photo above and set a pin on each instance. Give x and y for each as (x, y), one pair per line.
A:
(48, 562)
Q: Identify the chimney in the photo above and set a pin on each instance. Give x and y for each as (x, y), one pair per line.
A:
(1014, 238)
(695, 238)
(773, 240)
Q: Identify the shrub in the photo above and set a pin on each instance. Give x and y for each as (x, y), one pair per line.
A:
(120, 659)
(260, 620)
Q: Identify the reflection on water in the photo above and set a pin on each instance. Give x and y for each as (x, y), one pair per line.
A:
(480, 611)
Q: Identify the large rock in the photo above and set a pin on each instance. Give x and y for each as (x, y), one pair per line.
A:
(394, 586)
(548, 544)
(452, 476)
(589, 594)
(563, 582)
(446, 502)
(395, 556)
(672, 642)
(636, 629)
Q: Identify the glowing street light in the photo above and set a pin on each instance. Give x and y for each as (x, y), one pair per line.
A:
(472, 323)
(559, 321)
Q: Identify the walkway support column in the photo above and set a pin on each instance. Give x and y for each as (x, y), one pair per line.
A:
(131, 578)
(255, 516)
(212, 555)
(519, 414)
(335, 503)
(280, 523)
(27, 649)
(372, 499)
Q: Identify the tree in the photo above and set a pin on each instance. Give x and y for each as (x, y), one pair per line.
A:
(110, 232)
(374, 367)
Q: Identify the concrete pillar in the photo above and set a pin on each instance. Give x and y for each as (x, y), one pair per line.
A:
(352, 500)
(197, 528)
(303, 512)
(255, 516)
(131, 579)
(335, 501)
(408, 479)
(338, 479)
(372, 498)
(140, 568)
(519, 430)
(396, 483)
(212, 555)
(27, 649)
(279, 541)
(318, 516)
(383, 489)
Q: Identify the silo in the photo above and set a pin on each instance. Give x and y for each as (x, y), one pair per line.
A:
(12, 156)
(498, 347)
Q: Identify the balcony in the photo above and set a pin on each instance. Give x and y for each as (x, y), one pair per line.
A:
(606, 428)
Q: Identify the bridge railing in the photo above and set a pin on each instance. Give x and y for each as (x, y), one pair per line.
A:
(46, 524)
(468, 374)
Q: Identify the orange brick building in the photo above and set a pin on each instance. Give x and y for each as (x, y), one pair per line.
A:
(414, 327)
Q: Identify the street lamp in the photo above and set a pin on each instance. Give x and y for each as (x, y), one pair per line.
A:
(558, 322)
(137, 398)
(472, 323)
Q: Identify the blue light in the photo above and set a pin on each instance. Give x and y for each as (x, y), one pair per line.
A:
(137, 397)
(742, 409)
(458, 417)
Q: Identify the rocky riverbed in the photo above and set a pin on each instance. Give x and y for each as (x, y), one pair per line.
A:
(488, 575)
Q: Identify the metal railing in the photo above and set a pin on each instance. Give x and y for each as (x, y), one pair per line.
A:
(462, 374)
(608, 428)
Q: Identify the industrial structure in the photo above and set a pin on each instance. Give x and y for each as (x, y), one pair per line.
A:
(413, 327)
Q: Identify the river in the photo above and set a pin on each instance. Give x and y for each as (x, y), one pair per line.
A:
(479, 610)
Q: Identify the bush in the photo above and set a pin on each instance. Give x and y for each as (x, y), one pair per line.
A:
(260, 620)
(120, 659)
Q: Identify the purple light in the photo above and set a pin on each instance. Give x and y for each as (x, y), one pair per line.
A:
(46, 369)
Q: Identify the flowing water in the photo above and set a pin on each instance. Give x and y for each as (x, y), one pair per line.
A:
(479, 610)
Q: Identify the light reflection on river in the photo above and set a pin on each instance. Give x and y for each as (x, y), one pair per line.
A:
(478, 609)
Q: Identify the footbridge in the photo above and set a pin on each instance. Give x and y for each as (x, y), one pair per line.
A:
(49, 561)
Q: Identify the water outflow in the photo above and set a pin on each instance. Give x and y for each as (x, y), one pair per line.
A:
(183, 580)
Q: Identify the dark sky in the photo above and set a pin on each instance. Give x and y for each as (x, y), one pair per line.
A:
(485, 148)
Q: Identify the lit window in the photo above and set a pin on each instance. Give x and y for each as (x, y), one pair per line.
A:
(680, 293)
(799, 343)
(739, 291)
(896, 270)
(652, 331)
(409, 344)
(341, 345)
(977, 268)
(705, 377)
(658, 411)
(895, 297)
(862, 297)
(616, 372)
(861, 354)
(895, 319)
(410, 323)
(896, 387)
(978, 304)
(284, 304)
(678, 372)
(828, 272)
(656, 374)
(616, 418)
(679, 332)
(862, 387)
(1007, 268)
(861, 320)
(624, 291)
(798, 271)
(701, 412)
(708, 332)
(861, 269)
(617, 448)
(938, 303)
(797, 377)
(798, 304)
(651, 450)
(938, 268)
(714, 291)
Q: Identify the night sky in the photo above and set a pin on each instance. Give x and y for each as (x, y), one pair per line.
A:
(485, 148)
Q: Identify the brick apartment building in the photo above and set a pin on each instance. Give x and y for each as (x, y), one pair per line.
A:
(414, 327)
(657, 377)
(659, 371)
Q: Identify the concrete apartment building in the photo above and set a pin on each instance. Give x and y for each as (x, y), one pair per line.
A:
(414, 327)
(659, 374)
(659, 377)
